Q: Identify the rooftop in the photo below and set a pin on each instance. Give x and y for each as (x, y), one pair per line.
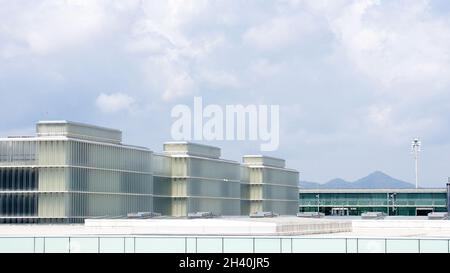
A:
(419, 190)
(284, 225)
(394, 227)
(328, 227)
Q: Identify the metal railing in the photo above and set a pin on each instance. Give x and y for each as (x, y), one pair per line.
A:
(425, 202)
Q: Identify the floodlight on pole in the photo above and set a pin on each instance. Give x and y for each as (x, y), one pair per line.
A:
(415, 146)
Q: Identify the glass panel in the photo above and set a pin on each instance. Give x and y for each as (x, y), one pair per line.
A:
(238, 245)
(39, 245)
(402, 246)
(352, 246)
(191, 245)
(209, 245)
(129, 245)
(434, 246)
(16, 245)
(84, 245)
(266, 245)
(210, 168)
(112, 245)
(319, 245)
(215, 205)
(371, 246)
(160, 245)
(56, 245)
(286, 246)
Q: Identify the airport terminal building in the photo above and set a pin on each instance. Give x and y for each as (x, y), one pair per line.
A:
(72, 171)
(266, 185)
(395, 202)
(192, 177)
(195, 179)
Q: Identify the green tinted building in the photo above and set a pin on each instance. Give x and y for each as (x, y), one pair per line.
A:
(402, 202)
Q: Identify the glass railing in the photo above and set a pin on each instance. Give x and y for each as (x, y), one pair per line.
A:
(222, 244)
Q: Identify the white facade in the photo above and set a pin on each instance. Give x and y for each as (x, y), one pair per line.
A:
(268, 186)
(199, 181)
(66, 174)
(72, 171)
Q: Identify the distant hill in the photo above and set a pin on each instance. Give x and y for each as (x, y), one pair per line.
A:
(310, 185)
(338, 183)
(375, 180)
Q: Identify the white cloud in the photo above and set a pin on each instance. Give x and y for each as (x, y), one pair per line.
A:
(45, 26)
(265, 68)
(352, 70)
(159, 26)
(179, 85)
(148, 38)
(110, 103)
(220, 79)
(399, 45)
(279, 32)
(380, 116)
(173, 54)
(396, 124)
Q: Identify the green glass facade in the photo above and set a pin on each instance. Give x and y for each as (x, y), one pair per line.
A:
(401, 202)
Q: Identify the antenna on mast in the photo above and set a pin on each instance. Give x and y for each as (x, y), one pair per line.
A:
(415, 146)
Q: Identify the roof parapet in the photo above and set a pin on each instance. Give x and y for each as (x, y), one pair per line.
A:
(193, 149)
(264, 161)
(78, 130)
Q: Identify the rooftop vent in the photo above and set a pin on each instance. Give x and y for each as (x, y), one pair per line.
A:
(263, 214)
(438, 216)
(198, 214)
(373, 215)
(142, 215)
(310, 214)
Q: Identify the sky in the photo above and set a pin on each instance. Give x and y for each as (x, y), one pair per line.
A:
(356, 81)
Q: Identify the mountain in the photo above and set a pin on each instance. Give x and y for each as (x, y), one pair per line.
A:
(375, 180)
(338, 183)
(379, 179)
(309, 185)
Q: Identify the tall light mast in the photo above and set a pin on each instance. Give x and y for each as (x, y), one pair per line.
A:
(415, 145)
